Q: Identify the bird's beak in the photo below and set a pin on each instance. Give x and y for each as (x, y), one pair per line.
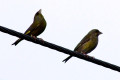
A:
(40, 11)
(100, 33)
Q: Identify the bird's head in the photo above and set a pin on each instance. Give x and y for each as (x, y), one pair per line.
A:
(95, 32)
(38, 16)
(39, 12)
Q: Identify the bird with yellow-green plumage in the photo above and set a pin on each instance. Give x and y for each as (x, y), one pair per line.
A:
(36, 28)
(87, 44)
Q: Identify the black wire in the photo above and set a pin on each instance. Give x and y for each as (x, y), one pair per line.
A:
(59, 48)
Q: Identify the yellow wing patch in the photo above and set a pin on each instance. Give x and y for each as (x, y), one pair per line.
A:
(27, 32)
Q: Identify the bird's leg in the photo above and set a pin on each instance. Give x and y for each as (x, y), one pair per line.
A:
(88, 56)
(41, 40)
(38, 38)
(85, 54)
(34, 37)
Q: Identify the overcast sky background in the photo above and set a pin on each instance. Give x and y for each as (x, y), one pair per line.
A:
(68, 21)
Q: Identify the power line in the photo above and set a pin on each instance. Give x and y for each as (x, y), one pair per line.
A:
(59, 48)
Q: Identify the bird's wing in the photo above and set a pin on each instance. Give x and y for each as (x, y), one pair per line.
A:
(84, 40)
(32, 28)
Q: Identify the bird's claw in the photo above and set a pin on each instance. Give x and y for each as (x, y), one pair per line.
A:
(41, 40)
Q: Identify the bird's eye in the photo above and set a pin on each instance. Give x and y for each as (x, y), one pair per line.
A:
(37, 13)
(97, 31)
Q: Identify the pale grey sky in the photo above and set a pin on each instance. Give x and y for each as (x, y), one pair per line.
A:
(68, 21)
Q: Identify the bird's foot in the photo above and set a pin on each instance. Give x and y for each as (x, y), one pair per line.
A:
(89, 56)
(41, 40)
(85, 55)
(34, 37)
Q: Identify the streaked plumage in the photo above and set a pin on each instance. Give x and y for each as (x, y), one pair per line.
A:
(87, 44)
(36, 28)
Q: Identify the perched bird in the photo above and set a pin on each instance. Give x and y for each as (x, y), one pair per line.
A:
(36, 28)
(87, 44)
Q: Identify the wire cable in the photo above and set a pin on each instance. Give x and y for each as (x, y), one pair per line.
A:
(59, 48)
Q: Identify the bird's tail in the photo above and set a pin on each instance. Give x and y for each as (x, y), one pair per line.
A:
(16, 42)
(65, 60)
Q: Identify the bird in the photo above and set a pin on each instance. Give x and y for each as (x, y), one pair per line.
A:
(36, 28)
(87, 44)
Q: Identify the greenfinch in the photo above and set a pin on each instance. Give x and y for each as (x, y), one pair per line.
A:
(87, 44)
(36, 28)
